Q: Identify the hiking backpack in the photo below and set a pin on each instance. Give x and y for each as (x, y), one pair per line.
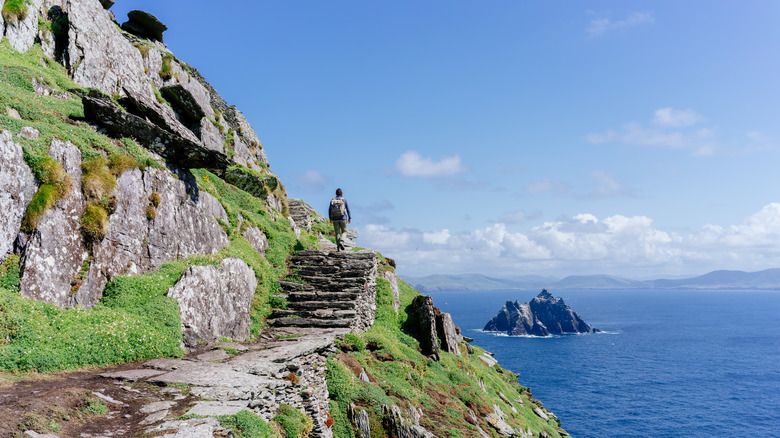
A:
(337, 209)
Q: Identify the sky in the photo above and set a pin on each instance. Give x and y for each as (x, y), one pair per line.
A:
(507, 138)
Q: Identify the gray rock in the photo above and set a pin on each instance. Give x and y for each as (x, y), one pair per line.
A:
(184, 225)
(29, 133)
(144, 25)
(214, 356)
(359, 417)
(206, 374)
(423, 320)
(192, 428)
(447, 333)
(256, 239)
(34, 434)
(182, 99)
(107, 3)
(211, 137)
(392, 278)
(403, 427)
(55, 251)
(155, 417)
(217, 408)
(542, 316)
(156, 407)
(215, 301)
(17, 187)
(184, 151)
(540, 413)
(21, 33)
(130, 375)
(12, 112)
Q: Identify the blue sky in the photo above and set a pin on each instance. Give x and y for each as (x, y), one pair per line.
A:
(637, 139)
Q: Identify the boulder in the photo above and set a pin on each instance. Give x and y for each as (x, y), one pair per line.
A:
(17, 187)
(182, 99)
(447, 333)
(107, 4)
(55, 252)
(422, 320)
(21, 30)
(215, 301)
(144, 25)
(256, 238)
(184, 224)
(542, 316)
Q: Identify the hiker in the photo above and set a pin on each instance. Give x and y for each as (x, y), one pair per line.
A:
(339, 217)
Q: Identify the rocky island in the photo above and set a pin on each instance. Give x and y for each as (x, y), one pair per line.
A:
(542, 316)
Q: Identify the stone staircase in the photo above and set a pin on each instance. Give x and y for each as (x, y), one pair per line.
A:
(331, 290)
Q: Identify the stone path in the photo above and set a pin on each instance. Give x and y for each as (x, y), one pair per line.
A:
(288, 367)
(332, 290)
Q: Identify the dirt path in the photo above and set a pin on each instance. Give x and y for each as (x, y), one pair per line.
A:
(84, 404)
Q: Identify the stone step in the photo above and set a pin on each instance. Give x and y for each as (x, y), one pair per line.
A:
(333, 283)
(313, 305)
(310, 322)
(289, 286)
(319, 271)
(323, 296)
(314, 314)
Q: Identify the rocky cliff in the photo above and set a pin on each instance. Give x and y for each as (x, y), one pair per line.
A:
(542, 316)
(140, 225)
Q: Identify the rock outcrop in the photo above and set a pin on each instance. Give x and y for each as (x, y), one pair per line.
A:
(145, 25)
(17, 187)
(53, 254)
(430, 326)
(215, 301)
(542, 316)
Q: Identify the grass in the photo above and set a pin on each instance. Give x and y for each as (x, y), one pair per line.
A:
(246, 424)
(15, 10)
(166, 71)
(294, 423)
(446, 390)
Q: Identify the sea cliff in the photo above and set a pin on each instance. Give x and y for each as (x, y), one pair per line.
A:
(144, 237)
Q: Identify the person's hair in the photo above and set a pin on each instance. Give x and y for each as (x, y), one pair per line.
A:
(339, 192)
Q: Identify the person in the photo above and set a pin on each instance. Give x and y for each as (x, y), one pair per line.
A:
(339, 216)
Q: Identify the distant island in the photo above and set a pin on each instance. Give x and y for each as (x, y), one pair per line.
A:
(768, 279)
(542, 316)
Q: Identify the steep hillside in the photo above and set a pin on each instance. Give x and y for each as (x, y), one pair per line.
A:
(140, 225)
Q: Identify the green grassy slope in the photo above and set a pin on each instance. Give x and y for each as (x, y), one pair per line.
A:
(135, 320)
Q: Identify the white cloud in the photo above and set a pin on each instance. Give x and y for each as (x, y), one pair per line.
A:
(413, 164)
(601, 26)
(673, 129)
(676, 118)
(585, 244)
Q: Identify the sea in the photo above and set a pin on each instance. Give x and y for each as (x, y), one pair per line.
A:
(703, 363)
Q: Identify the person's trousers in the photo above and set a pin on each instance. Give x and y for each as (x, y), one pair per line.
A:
(339, 227)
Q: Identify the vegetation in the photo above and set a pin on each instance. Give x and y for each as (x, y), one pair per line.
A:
(294, 423)
(246, 424)
(446, 391)
(15, 10)
(166, 71)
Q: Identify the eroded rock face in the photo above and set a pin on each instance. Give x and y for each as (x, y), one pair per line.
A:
(182, 151)
(215, 301)
(542, 316)
(424, 330)
(184, 224)
(55, 251)
(447, 333)
(257, 239)
(21, 33)
(392, 278)
(17, 187)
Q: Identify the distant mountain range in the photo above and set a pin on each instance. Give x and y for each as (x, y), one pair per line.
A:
(767, 279)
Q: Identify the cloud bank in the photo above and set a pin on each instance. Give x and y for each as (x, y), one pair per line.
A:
(601, 26)
(585, 244)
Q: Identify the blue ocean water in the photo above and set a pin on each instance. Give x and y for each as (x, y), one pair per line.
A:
(671, 363)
